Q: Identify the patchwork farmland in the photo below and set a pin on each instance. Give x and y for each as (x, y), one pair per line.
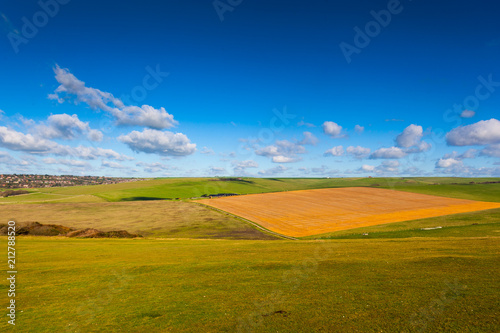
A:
(200, 269)
(312, 212)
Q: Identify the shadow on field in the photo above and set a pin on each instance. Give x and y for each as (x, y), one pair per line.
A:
(143, 199)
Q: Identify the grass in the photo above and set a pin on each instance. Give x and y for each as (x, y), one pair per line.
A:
(474, 224)
(112, 207)
(195, 187)
(185, 188)
(172, 219)
(397, 279)
(370, 285)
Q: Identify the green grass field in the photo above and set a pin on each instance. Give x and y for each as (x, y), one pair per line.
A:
(200, 270)
(184, 188)
(405, 285)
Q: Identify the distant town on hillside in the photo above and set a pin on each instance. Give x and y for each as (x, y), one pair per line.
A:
(37, 181)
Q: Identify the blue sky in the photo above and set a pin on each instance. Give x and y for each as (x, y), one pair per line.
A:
(250, 88)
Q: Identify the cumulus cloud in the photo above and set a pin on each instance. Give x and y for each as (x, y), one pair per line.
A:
(207, 151)
(9, 161)
(481, 133)
(359, 129)
(332, 129)
(319, 171)
(471, 153)
(303, 123)
(152, 141)
(335, 151)
(388, 167)
(388, 153)
(285, 159)
(28, 143)
(358, 151)
(113, 165)
(309, 139)
(14, 140)
(239, 167)
(455, 167)
(72, 88)
(419, 148)
(71, 163)
(410, 137)
(216, 170)
(467, 114)
(92, 153)
(448, 162)
(408, 142)
(67, 127)
(155, 167)
(283, 151)
(385, 168)
(367, 168)
(273, 171)
(491, 151)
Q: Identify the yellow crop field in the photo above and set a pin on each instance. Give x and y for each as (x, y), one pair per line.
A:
(312, 212)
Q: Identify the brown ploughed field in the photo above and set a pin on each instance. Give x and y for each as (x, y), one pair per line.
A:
(312, 212)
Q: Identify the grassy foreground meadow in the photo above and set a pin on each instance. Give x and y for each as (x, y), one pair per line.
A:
(201, 270)
(409, 285)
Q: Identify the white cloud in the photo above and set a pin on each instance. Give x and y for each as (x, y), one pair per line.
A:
(9, 161)
(239, 167)
(321, 171)
(358, 151)
(72, 163)
(273, 171)
(158, 142)
(302, 123)
(113, 165)
(155, 167)
(335, 151)
(217, 170)
(207, 151)
(14, 140)
(91, 153)
(422, 146)
(95, 135)
(385, 168)
(332, 129)
(491, 151)
(408, 142)
(66, 127)
(467, 114)
(388, 153)
(367, 168)
(145, 115)
(481, 133)
(388, 167)
(309, 139)
(282, 151)
(359, 129)
(471, 153)
(410, 137)
(447, 162)
(285, 159)
(18, 141)
(456, 167)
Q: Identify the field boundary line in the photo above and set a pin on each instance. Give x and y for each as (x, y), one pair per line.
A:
(246, 221)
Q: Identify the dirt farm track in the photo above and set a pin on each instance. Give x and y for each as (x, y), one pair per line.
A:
(312, 212)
